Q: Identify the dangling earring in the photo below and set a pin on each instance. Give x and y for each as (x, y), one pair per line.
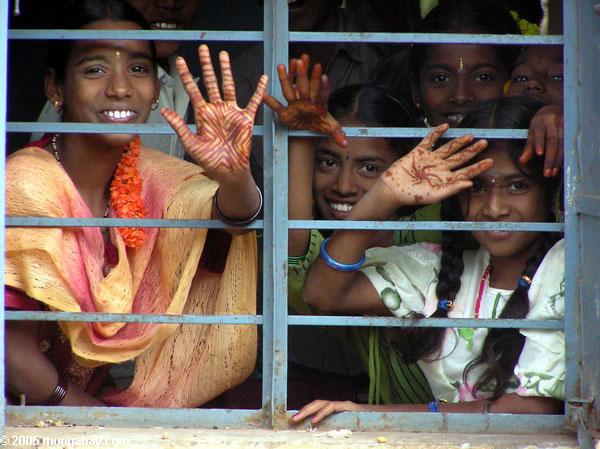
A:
(155, 104)
(426, 123)
(57, 106)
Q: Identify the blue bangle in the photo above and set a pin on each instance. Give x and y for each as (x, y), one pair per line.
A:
(434, 406)
(338, 265)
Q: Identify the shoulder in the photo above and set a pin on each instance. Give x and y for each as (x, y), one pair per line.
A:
(547, 291)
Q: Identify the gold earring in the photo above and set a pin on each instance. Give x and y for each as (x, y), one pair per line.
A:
(57, 106)
(155, 104)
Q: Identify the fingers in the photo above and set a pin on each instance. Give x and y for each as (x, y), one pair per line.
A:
(208, 74)
(256, 99)
(315, 81)
(553, 158)
(302, 81)
(338, 135)
(228, 83)
(433, 136)
(286, 84)
(466, 154)
(272, 102)
(189, 84)
(321, 409)
(322, 96)
(179, 126)
(471, 171)
(453, 146)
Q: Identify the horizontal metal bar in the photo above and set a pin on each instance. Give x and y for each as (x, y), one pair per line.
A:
(443, 423)
(369, 321)
(426, 38)
(426, 225)
(17, 315)
(295, 36)
(157, 35)
(588, 205)
(137, 417)
(43, 127)
(48, 222)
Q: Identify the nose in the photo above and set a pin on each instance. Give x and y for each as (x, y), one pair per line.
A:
(496, 206)
(534, 84)
(119, 85)
(168, 4)
(345, 183)
(463, 93)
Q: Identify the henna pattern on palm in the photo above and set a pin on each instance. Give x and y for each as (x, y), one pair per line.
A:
(222, 141)
(427, 177)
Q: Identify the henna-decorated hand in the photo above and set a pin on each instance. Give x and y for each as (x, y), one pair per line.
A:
(427, 177)
(221, 144)
(307, 100)
(545, 138)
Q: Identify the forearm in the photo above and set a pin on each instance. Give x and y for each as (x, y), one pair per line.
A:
(30, 373)
(301, 158)
(236, 200)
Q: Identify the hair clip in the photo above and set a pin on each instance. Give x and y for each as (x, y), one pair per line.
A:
(524, 281)
(445, 304)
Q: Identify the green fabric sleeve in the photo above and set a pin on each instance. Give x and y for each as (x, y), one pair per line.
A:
(408, 237)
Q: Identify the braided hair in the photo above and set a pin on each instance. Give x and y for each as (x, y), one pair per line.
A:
(502, 347)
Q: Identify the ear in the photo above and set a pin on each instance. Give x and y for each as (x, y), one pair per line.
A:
(53, 88)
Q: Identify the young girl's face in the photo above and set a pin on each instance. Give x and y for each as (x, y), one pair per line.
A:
(539, 72)
(453, 78)
(505, 194)
(343, 176)
(109, 81)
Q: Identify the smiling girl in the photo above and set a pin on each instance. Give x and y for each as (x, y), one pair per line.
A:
(511, 275)
(130, 270)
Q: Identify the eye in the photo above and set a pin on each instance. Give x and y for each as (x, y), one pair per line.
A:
(94, 71)
(484, 77)
(140, 68)
(325, 164)
(440, 78)
(557, 78)
(517, 186)
(477, 189)
(520, 79)
(369, 169)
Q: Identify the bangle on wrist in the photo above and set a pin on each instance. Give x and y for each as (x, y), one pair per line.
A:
(339, 265)
(59, 393)
(234, 221)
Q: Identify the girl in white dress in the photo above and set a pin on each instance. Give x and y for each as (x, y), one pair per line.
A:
(511, 274)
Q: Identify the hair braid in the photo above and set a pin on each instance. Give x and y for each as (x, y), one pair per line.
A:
(502, 347)
(417, 342)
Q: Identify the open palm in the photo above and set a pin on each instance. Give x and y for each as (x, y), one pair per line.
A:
(427, 177)
(222, 141)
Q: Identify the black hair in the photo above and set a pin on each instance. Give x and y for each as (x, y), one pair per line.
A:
(374, 106)
(469, 17)
(502, 347)
(80, 13)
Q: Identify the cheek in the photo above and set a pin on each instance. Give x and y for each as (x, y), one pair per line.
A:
(490, 92)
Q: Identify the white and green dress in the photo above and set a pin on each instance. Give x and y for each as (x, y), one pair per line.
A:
(406, 277)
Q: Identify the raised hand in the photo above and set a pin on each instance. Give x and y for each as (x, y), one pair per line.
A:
(545, 138)
(307, 100)
(221, 144)
(424, 176)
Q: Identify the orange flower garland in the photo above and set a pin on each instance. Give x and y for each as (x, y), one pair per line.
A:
(126, 193)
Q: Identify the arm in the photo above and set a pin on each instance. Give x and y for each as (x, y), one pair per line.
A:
(508, 403)
(421, 177)
(29, 372)
(221, 144)
(545, 138)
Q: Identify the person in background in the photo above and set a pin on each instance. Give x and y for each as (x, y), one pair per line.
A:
(161, 15)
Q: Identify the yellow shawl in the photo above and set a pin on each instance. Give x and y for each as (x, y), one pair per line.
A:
(176, 365)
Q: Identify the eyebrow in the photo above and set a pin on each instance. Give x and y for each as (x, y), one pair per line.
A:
(101, 57)
(451, 69)
(502, 178)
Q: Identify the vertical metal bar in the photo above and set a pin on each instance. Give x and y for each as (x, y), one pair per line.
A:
(3, 102)
(572, 102)
(275, 222)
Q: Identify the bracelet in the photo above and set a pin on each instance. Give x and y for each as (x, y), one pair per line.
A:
(59, 393)
(237, 221)
(338, 265)
(433, 406)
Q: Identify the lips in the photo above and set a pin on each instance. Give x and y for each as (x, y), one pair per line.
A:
(339, 210)
(119, 115)
(165, 25)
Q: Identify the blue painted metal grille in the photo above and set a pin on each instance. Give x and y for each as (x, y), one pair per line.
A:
(274, 319)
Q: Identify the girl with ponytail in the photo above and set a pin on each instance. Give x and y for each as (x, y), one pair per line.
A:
(510, 275)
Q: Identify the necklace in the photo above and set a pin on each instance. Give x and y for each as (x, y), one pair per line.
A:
(54, 141)
(484, 278)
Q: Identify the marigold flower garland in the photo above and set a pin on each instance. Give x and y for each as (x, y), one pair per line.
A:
(126, 193)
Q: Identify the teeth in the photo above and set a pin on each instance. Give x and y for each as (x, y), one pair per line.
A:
(119, 115)
(456, 118)
(341, 207)
(164, 25)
